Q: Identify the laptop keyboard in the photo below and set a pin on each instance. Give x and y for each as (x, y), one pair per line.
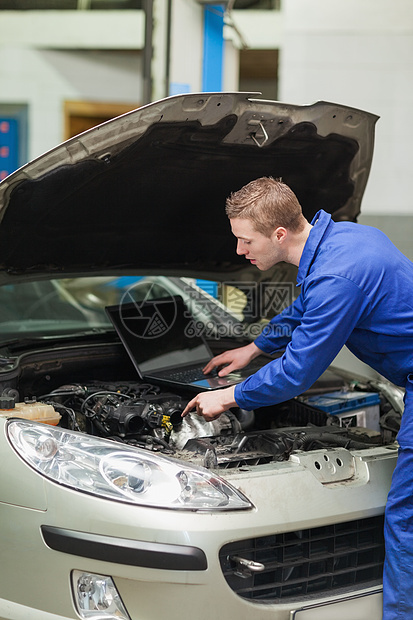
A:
(189, 375)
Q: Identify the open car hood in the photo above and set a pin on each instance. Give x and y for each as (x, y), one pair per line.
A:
(145, 192)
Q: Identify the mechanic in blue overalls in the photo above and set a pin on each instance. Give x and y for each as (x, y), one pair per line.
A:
(356, 290)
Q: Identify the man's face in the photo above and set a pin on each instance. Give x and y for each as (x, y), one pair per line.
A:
(262, 251)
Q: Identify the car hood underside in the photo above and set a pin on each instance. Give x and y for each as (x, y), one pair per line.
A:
(147, 190)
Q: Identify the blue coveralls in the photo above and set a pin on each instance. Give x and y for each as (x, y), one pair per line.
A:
(356, 289)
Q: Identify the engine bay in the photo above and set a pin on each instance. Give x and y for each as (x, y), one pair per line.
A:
(148, 417)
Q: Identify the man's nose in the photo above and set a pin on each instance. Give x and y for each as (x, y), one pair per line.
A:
(241, 248)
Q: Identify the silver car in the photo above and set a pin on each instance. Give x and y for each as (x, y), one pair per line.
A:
(111, 505)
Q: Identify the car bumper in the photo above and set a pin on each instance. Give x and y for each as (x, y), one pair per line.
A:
(165, 563)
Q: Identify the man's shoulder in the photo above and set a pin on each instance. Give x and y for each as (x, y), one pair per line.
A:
(354, 240)
(357, 252)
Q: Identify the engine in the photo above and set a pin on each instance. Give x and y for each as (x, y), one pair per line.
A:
(145, 416)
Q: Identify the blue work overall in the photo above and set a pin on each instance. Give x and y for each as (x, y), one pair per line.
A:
(356, 290)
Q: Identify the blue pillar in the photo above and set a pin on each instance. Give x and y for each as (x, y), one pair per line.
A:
(213, 48)
(212, 69)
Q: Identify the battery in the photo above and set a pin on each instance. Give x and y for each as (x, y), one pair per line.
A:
(351, 408)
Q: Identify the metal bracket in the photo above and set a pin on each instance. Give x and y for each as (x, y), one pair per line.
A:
(333, 465)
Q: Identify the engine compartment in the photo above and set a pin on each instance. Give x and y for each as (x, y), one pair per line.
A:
(149, 416)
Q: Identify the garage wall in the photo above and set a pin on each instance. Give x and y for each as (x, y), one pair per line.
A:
(44, 79)
(359, 52)
(47, 57)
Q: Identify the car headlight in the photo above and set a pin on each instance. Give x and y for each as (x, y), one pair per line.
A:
(119, 472)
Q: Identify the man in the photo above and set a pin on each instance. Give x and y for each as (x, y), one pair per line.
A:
(356, 289)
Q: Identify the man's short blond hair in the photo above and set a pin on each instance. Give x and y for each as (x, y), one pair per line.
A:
(268, 203)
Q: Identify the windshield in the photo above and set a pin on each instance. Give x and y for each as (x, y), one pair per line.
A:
(61, 307)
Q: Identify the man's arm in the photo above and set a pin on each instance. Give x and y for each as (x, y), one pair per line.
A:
(210, 405)
(278, 332)
(334, 306)
(275, 336)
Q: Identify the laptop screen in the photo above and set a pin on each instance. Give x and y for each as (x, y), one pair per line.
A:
(158, 334)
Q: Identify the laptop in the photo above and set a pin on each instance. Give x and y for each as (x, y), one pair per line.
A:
(161, 339)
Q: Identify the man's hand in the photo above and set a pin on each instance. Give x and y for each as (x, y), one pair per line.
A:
(210, 405)
(233, 359)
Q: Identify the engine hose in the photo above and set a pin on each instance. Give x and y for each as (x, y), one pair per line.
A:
(99, 427)
(327, 439)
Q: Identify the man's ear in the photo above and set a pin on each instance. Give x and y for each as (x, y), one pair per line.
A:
(279, 235)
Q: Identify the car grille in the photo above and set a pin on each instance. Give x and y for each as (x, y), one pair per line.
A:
(308, 562)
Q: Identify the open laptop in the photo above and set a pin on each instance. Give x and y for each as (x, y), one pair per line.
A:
(164, 346)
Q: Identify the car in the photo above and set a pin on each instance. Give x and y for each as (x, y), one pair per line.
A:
(113, 506)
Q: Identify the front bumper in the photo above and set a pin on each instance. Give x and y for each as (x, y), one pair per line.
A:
(165, 563)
